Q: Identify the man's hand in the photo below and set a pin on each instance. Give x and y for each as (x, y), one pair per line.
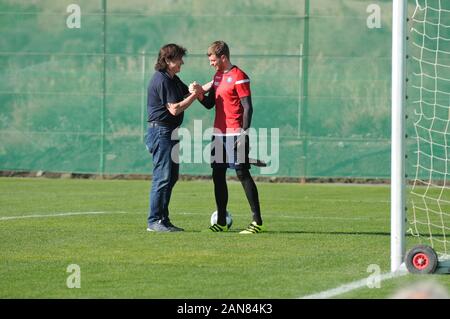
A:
(196, 88)
(195, 91)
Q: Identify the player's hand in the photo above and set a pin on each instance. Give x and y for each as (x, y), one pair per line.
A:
(191, 87)
(242, 141)
(197, 90)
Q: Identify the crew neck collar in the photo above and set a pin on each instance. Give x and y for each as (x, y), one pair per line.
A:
(226, 71)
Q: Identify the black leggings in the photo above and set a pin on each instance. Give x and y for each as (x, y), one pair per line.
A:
(221, 193)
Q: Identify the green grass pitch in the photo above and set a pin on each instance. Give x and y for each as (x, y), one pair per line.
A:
(319, 237)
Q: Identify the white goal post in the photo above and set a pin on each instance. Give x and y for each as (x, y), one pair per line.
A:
(398, 204)
(429, 92)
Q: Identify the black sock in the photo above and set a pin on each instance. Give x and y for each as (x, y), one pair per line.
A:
(221, 194)
(251, 192)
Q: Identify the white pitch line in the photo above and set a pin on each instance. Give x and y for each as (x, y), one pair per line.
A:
(300, 217)
(353, 286)
(58, 215)
(181, 213)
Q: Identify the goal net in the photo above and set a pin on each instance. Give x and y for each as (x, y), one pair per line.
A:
(429, 70)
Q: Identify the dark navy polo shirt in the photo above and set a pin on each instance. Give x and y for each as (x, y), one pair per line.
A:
(162, 90)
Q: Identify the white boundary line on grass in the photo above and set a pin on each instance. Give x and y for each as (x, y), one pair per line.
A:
(181, 213)
(58, 215)
(353, 286)
(298, 217)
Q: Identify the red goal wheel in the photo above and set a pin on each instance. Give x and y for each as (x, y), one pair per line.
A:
(421, 260)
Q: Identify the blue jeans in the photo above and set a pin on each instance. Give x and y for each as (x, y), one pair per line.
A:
(165, 171)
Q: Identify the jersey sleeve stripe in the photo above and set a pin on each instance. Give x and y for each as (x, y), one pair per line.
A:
(242, 81)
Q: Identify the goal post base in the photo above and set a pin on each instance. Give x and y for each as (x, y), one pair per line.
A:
(443, 267)
(423, 259)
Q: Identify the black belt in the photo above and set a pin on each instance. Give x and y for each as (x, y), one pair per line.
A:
(157, 123)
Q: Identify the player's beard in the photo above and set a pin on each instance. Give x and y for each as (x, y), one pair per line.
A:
(220, 67)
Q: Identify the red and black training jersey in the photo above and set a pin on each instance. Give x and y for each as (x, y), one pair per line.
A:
(229, 88)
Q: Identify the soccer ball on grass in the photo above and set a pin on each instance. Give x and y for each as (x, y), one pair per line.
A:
(229, 219)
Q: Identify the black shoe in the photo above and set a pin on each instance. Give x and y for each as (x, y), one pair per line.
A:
(172, 227)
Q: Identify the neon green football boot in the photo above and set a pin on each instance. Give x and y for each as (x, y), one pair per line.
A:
(253, 228)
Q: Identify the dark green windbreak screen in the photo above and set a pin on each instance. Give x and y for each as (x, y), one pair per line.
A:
(74, 99)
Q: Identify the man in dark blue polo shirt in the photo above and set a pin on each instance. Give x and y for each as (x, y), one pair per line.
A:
(168, 97)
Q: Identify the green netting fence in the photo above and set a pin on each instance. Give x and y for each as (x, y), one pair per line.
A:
(74, 99)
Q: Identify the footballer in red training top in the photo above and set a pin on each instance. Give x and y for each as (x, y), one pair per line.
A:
(229, 88)
(230, 92)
